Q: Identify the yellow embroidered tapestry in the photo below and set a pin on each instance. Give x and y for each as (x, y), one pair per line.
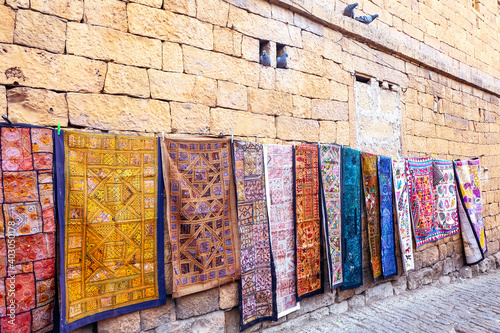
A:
(112, 231)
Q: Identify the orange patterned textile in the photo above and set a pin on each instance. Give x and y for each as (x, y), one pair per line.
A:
(201, 213)
(110, 204)
(308, 224)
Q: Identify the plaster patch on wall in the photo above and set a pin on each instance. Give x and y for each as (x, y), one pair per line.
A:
(378, 118)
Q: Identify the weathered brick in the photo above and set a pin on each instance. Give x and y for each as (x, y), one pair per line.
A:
(231, 95)
(127, 80)
(297, 129)
(187, 7)
(241, 123)
(220, 66)
(329, 110)
(41, 69)
(7, 17)
(106, 13)
(181, 87)
(213, 11)
(68, 9)
(130, 323)
(37, 107)
(107, 44)
(227, 41)
(269, 102)
(40, 31)
(172, 57)
(164, 25)
(122, 113)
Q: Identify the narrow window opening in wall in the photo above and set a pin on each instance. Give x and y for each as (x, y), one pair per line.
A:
(438, 104)
(265, 46)
(362, 79)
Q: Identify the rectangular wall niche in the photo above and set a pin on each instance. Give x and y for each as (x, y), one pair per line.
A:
(378, 117)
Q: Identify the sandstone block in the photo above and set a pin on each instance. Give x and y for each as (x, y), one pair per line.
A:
(430, 256)
(40, 69)
(443, 251)
(297, 129)
(130, 323)
(165, 25)
(262, 8)
(181, 87)
(40, 31)
(281, 14)
(106, 13)
(343, 295)
(85, 329)
(169, 278)
(212, 322)
(313, 86)
(444, 280)
(448, 266)
(306, 61)
(259, 27)
(329, 110)
(339, 308)
(339, 91)
(154, 317)
(497, 259)
(270, 102)
(127, 80)
(37, 107)
(150, 3)
(399, 286)
(250, 49)
(379, 292)
(241, 123)
(227, 41)
(172, 57)
(414, 280)
(16, 4)
(190, 118)
(465, 272)
(458, 261)
(68, 9)
(437, 270)
(356, 302)
(220, 66)
(343, 130)
(107, 44)
(213, 11)
(197, 304)
(187, 7)
(7, 17)
(267, 79)
(3, 100)
(232, 96)
(327, 131)
(426, 276)
(311, 304)
(229, 296)
(307, 24)
(301, 107)
(122, 113)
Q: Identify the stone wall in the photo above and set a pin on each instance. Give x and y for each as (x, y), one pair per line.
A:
(191, 66)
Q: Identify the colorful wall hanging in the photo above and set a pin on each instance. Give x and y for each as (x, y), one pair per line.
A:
(351, 219)
(201, 213)
(331, 181)
(389, 266)
(308, 223)
(470, 209)
(27, 231)
(280, 194)
(110, 208)
(370, 186)
(403, 212)
(258, 279)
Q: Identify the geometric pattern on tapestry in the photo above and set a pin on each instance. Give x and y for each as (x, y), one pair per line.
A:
(308, 223)
(110, 223)
(27, 227)
(280, 189)
(258, 277)
(331, 171)
(202, 225)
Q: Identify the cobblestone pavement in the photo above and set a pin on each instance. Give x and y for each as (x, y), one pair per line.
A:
(466, 306)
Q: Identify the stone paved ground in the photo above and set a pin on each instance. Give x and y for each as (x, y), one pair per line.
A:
(466, 306)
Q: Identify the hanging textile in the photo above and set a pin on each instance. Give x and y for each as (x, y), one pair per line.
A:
(403, 212)
(331, 173)
(446, 215)
(470, 209)
(351, 219)
(279, 185)
(433, 209)
(389, 266)
(258, 279)
(308, 224)
(370, 186)
(110, 208)
(201, 213)
(27, 230)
